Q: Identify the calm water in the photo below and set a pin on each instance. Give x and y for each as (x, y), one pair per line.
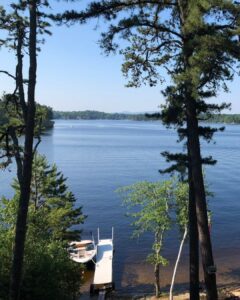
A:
(100, 156)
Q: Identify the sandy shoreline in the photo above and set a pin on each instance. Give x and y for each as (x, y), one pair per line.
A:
(145, 291)
(225, 293)
(134, 280)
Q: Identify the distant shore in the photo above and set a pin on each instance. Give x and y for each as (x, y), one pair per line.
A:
(97, 115)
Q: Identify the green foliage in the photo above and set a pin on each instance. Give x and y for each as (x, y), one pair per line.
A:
(12, 116)
(148, 204)
(44, 116)
(15, 27)
(158, 259)
(14, 20)
(53, 202)
(48, 271)
(12, 127)
(22, 25)
(154, 207)
(181, 204)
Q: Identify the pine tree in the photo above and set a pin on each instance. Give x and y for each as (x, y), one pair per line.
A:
(196, 42)
(51, 199)
(53, 219)
(21, 26)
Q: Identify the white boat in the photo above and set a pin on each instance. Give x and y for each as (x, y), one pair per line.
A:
(83, 251)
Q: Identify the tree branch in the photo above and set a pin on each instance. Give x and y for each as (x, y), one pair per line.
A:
(37, 144)
(17, 155)
(8, 74)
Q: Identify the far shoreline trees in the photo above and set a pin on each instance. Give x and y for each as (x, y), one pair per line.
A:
(99, 115)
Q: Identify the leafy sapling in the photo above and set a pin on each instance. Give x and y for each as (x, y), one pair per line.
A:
(148, 204)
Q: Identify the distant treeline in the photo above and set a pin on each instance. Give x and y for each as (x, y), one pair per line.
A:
(225, 118)
(97, 115)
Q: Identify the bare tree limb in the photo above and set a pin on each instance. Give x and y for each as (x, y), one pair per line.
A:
(8, 74)
(17, 155)
(37, 144)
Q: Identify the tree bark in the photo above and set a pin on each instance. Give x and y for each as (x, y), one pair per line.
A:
(21, 225)
(17, 154)
(157, 281)
(19, 71)
(158, 240)
(177, 263)
(195, 163)
(193, 245)
(200, 198)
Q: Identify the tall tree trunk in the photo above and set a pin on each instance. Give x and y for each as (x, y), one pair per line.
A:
(21, 225)
(193, 244)
(19, 70)
(157, 279)
(158, 241)
(195, 161)
(177, 263)
(200, 199)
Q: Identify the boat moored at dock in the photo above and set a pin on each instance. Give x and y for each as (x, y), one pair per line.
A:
(83, 251)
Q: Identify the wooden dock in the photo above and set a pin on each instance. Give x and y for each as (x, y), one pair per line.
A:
(103, 275)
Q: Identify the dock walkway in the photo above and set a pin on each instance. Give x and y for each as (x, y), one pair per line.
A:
(103, 275)
(103, 268)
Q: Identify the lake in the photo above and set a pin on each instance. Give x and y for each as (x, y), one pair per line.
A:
(100, 156)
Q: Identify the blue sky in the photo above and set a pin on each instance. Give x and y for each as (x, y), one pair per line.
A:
(74, 75)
